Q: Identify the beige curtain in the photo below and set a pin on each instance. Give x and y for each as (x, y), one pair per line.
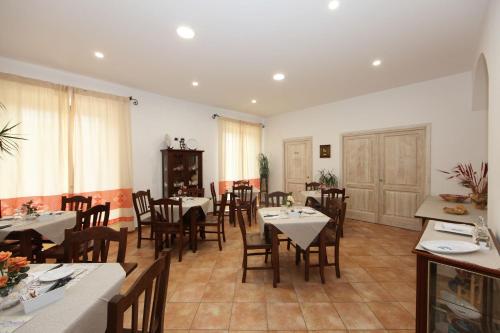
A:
(77, 142)
(239, 147)
(40, 169)
(101, 153)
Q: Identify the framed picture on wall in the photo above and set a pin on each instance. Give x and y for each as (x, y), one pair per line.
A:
(324, 151)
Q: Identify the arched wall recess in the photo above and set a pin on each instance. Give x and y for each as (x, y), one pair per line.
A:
(480, 92)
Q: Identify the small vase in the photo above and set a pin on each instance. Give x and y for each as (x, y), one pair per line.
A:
(480, 200)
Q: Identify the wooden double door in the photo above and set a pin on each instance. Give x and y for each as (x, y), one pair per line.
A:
(385, 174)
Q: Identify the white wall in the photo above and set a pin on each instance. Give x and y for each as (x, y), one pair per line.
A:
(457, 134)
(155, 116)
(490, 47)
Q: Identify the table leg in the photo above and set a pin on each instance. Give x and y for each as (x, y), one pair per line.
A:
(276, 256)
(25, 244)
(192, 231)
(322, 255)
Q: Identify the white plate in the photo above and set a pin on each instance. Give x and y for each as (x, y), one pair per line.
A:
(56, 274)
(449, 246)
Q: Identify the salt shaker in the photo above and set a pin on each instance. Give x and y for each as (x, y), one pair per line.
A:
(481, 235)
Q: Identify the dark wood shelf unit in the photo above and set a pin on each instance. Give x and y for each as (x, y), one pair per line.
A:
(181, 168)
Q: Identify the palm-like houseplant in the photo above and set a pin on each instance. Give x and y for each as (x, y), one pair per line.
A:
(8, 139)
(471, 179)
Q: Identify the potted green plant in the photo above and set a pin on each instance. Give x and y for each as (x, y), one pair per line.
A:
(327, 178)
(264, 172)
(8, 139)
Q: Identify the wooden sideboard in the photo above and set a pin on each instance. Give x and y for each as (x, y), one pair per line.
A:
(181, 168)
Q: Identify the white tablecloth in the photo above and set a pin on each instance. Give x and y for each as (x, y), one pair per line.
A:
(51, 226)
(302, 230)
(303, 195)
(84, 306)
(190, 202)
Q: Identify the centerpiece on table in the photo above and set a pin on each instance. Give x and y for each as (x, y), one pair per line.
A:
(471, 179)
(289, 201)
(30, 210)
(327, 179)
(12, 271)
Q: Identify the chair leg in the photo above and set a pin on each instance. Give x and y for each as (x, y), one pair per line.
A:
(306, 265)
(288, 242)
(244, 265)
(223, 231)
(181, 246)
(151, 233)
(265, 257)
(297, 255)
(249, 215)
(219, 237)
(157, 245)
(337, 263)
(139, 235)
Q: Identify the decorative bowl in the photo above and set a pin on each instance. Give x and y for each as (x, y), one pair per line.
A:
(457, 210)
(454, 197)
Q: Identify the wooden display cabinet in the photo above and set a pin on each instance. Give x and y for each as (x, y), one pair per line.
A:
(181, 168)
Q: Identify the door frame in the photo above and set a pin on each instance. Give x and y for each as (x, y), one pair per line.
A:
(310, 162)
(426, 127)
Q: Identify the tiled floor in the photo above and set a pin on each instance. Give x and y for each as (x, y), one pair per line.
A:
(376, 291)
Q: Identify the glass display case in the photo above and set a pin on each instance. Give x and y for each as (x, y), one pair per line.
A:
(181, 168)
(462, 301)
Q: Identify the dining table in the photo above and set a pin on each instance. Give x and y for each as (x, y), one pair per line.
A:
(193, 209)
(232, 209)
(83, 307)
(50, 225)
(301, 224)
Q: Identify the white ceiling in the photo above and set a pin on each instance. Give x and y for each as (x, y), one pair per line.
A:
(239, 44)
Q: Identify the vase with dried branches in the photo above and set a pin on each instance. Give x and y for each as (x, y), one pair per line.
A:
(8, 139)
(477, 182)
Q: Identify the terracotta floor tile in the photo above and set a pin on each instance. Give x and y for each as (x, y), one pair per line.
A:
(392, 315)
(357, 316)
(189, 292)
(356, 275)
(218, 292)
(212, 316)
(372, 291)
(342, 292)
(249, 316)
(400, 291)
(180, 315)
(226, 274)
(250, 292)
(284, 293)
(285, 316)
(384, 274)
(311, 293)
(410, 307)
(320, 316)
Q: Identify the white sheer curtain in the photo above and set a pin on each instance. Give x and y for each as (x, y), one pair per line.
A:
(82, 147)
(39, 170)
(239, 147)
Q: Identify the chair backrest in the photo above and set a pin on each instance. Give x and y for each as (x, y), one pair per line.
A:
(141, 203)
(166, 212)
(332, 193)
(312, 186)
(75, 203)
(336, 209)
(244, 193)
(277, 199)
(312, 202)
(195, 191)
(241, 223)
(241, 182)
(153, 283)
(99, 238)
(214, 196)
(97, 216)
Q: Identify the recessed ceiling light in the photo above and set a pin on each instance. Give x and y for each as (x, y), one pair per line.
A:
(333, 4)
(195, 83)
(279, 77)
(185, 32)
(254, 101)
(98, 54)
(376, 62)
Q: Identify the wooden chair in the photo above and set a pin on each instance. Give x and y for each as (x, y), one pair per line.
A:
(241, 182)
(76, 203)
(312, 186)
(331, 193)
(329, 237)
(153, 284)
(244, 194)
(93, 217)
(97, 240)
(166, 218)
(215, 200)
(313, 203)
(277, 199)
(141, 206)
(218, 224)
(252, 242)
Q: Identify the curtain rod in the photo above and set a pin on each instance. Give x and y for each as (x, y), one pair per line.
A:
(216, 115)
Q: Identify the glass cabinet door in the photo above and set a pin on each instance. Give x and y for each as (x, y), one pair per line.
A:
(192, 172)
(177, 171)
(461, 301)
